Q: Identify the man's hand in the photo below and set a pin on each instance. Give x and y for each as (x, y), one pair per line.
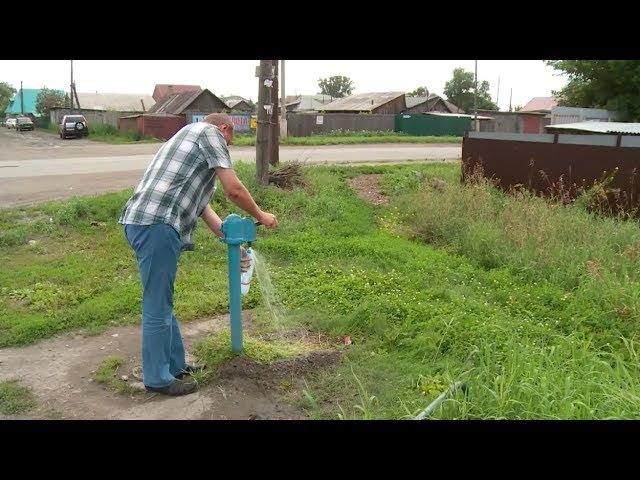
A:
(245, 261)
(238, 194)
(268, 220)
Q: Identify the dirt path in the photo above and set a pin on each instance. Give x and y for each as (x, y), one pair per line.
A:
(59, 370)
(367, 187)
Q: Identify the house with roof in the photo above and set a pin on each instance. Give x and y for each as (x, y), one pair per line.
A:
(121, 102)
(24, 102)
(238, 104)
(104, 108)
(540, 105)
(372, 102)
(578, 114)
(430, 103)
(161, 90)
(173, 112)
(538, 114)
(306, 103)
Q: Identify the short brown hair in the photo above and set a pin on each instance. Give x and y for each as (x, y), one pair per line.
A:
(219, 119)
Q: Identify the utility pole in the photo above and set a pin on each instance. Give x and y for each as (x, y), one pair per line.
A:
(71, 88)
(498, 94)
(475, 99)
(21, 99)
(264, 73)
(274, 118)
(510, 97)
(283, 117)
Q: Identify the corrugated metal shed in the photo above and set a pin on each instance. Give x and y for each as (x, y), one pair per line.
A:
(362, 102)
(597, 127)
(161, 125)
(560, 115)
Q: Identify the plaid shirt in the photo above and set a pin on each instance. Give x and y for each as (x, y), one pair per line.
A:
(179, 181)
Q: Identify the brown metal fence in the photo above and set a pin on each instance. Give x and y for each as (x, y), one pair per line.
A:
(558, 165)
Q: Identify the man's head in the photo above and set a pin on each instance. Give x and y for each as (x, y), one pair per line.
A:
(224, 123)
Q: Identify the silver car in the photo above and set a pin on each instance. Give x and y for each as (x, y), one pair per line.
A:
(73, 126)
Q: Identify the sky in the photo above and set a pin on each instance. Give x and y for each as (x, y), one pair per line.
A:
(526, 78)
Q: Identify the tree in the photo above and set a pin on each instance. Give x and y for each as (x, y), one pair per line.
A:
(610, 84)
(48, 99)
(419, 92)
(517, 108)
(337, 86)
(460, 91)
(6, 93)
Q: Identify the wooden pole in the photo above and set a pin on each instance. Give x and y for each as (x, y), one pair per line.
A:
(262, 131)
(275, 124)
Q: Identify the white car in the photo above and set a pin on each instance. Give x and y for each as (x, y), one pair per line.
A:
(10, 122)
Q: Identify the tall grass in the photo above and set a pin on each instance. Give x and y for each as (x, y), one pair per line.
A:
(565, 244)
(534, 305)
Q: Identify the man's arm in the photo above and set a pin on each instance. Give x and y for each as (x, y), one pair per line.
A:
(212, 220)
(238, 194)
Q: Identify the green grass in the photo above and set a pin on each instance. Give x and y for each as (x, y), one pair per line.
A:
(534, 305)
(108, 375)
(110, 134)
(15, 399)
(216, 349)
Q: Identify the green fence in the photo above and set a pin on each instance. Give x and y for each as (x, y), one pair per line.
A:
(42, 122)
(421, 124)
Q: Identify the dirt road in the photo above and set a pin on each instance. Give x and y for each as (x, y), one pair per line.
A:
(39, 166)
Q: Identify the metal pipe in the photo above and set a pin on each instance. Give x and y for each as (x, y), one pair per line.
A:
(235, 298)
(236, 231)
(427, 412)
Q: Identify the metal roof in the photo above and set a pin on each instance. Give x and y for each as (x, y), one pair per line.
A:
(234, 100)
(115, 101)
(413, 101)
(361, 102)
(29, 97)
(176, 103)
(537, 104)
(136, 115)
(308, 102)
(443, 114)
(161, 90)
(599, 127)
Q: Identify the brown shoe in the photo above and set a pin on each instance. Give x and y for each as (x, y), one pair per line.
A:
(179, 387)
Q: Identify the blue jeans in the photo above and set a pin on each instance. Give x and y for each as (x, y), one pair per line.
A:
(157, 249)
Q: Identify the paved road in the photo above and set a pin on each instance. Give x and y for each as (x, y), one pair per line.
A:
(38, 166)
